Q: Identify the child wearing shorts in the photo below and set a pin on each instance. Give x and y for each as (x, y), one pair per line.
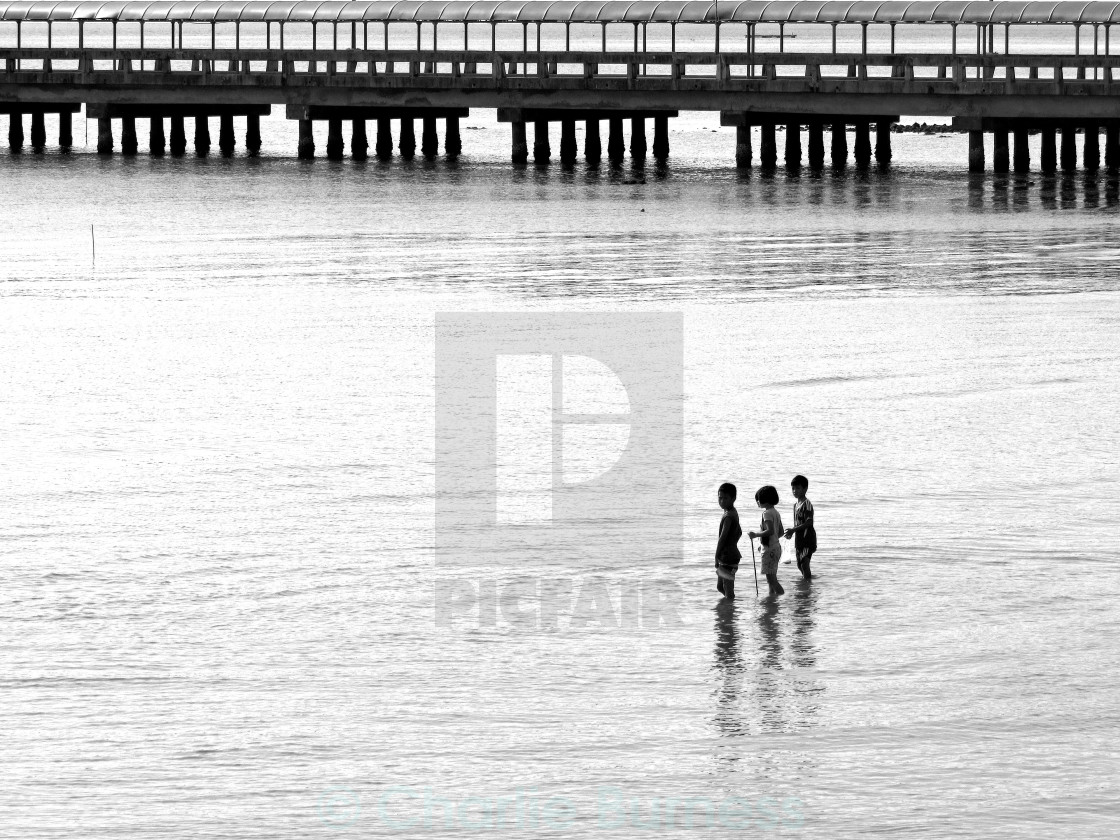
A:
(805, 535)
(770, 536)
(727, 546)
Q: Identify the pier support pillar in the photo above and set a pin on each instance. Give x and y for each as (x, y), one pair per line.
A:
(178, 137)
(616, 146)
(793, 145)
(1069, 148)
(202, 136)
(227, 142)
(1022, 151)
(253, 135)
(743, 151)
(542, 150)
(839, 145)
(1001, 159)
(407, 144)
(129, 144)
(306, 148)
(816, 146)
(883, 152)
(359, 145)
(15, 132)
(1092, 148)
(157, 143)
(976, 151)
(520, 149)
(38, 131)
(1048, 162)
(569, 149)
(638, 140)
(384, 147)
(661, 138)
(104, 135)
(592, 143)
(453, 143)
(429, 138)
(336, 146)
(768, 146)
(1112, 147)
(65, 131)
(863, 144)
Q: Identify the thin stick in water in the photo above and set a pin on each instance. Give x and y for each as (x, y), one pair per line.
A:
(93, 246)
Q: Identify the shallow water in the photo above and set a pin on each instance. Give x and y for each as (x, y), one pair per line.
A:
(217, 484)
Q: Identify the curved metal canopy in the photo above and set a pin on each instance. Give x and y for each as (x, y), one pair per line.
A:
(569, 11)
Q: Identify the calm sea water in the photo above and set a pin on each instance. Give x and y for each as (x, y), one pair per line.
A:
(216, 500)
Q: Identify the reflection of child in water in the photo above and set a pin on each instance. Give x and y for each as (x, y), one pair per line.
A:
(727, 548)
(769, 536)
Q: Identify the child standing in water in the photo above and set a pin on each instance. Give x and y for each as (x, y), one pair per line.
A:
(806, 535)
(770, 536)
(727, 547)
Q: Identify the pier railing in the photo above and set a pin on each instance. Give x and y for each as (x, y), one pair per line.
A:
(640, 70)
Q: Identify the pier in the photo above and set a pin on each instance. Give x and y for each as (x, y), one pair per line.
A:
(626, 67)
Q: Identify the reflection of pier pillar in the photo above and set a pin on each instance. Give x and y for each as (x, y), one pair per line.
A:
(839, 145)
(520, 149)
(661, 138)
(129, 144)
(15, 132)
(1001, 159)
(104, 135)
(569, 149)
(429, 138)
(253, 135)
(1022, 150)
(637, 139)
(384, 147)
(592, 143)
(816, 145)
(336, 146)
(1048, 161)
(616, 146)
(768, 146)
(65, 131)
(1069, 148)
(1112, 146)
(542, 150)
(178, 142)
(359, 145)
(453, 143)
(1092, 148)
(38, 131)
(201, 136)
(227, 142)
(976, 151)
(883, 152)
(793, 145)
(863, 144)
(407, 144)
(157, 143)
(306, 148)
(743, 150)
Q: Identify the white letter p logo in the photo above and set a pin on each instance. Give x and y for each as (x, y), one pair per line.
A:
(561, 420)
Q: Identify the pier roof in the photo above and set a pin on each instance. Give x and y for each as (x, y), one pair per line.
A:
(568, 11)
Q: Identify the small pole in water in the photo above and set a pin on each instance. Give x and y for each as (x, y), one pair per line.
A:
(93, 246)
(755, 567)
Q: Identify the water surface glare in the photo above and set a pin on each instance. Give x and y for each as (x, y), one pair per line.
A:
(216, 500)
